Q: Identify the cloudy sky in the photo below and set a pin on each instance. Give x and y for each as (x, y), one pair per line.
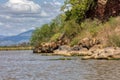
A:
(18, 16)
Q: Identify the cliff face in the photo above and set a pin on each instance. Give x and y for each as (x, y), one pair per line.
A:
(105, 9)
(112, 8)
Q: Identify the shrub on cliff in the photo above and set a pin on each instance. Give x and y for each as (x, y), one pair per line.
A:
(114, 40)
(41, 34)
(55, 37)
(46, 31)
(71, 29)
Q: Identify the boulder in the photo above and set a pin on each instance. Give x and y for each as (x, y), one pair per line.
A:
(46, 48)
(89, 42)
(80, 53)
(76, 48)
(106, 53)
(64, 48)
(62, 52)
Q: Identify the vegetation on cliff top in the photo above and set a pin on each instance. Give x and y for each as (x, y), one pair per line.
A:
(75, 24)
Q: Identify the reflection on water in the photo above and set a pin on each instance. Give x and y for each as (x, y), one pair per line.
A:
(23, 65)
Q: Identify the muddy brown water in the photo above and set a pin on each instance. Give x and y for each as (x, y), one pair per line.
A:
(24, 65)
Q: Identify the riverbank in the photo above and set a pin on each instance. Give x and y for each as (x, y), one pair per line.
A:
(8, 48)
(94, 36)
(109, 53)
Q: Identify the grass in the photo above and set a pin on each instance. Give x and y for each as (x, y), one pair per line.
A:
(74, 41)
(114, 40)
(7, 48)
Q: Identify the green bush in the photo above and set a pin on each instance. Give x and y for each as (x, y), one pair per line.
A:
(71, 29)
(91, 26)
(41, 34)
(113, 22)
(74, 41)
(46, 31)
(55, 37)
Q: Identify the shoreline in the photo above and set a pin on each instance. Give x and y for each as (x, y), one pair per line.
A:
(108, 53)
(11, 48)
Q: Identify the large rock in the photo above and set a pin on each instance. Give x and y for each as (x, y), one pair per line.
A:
(89, 42)
(49, 47)
(76, 48)
(64, 48)
(62, 53)
(46, 48)
(106, 53)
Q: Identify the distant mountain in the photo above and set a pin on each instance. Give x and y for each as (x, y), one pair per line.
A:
(1, 36)
(13, 40)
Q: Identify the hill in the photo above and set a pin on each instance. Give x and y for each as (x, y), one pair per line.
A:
(13, 40)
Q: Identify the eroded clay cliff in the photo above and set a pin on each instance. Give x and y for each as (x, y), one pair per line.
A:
(104, 9)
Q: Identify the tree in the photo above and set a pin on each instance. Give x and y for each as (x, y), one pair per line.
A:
(41, 34)
(44, 33)
(78, 9)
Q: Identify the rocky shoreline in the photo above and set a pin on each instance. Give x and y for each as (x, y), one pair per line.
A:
(93, 32)
(87, 48)
(109, 53)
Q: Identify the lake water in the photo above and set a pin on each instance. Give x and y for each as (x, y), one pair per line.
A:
(24, 65)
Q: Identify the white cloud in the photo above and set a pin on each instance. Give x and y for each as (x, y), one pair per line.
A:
(43, 13)
(1, 23)
(8, 26)
(17, 16)
(22, 6)
(57, 3)
(53, 3)
(45, 2)
(23, 30)
(5, 16)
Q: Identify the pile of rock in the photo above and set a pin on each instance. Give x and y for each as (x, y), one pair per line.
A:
(106, 53)
(89, 42)
(72, 53)
(89, 48)
(49, 47)
(46, 48)
(81, 49)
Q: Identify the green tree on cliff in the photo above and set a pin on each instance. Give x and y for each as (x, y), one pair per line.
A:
(77, 9)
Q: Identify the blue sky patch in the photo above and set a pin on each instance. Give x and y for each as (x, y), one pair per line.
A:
(17, 16)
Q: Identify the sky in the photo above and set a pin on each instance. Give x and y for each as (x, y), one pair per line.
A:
(17, 16)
